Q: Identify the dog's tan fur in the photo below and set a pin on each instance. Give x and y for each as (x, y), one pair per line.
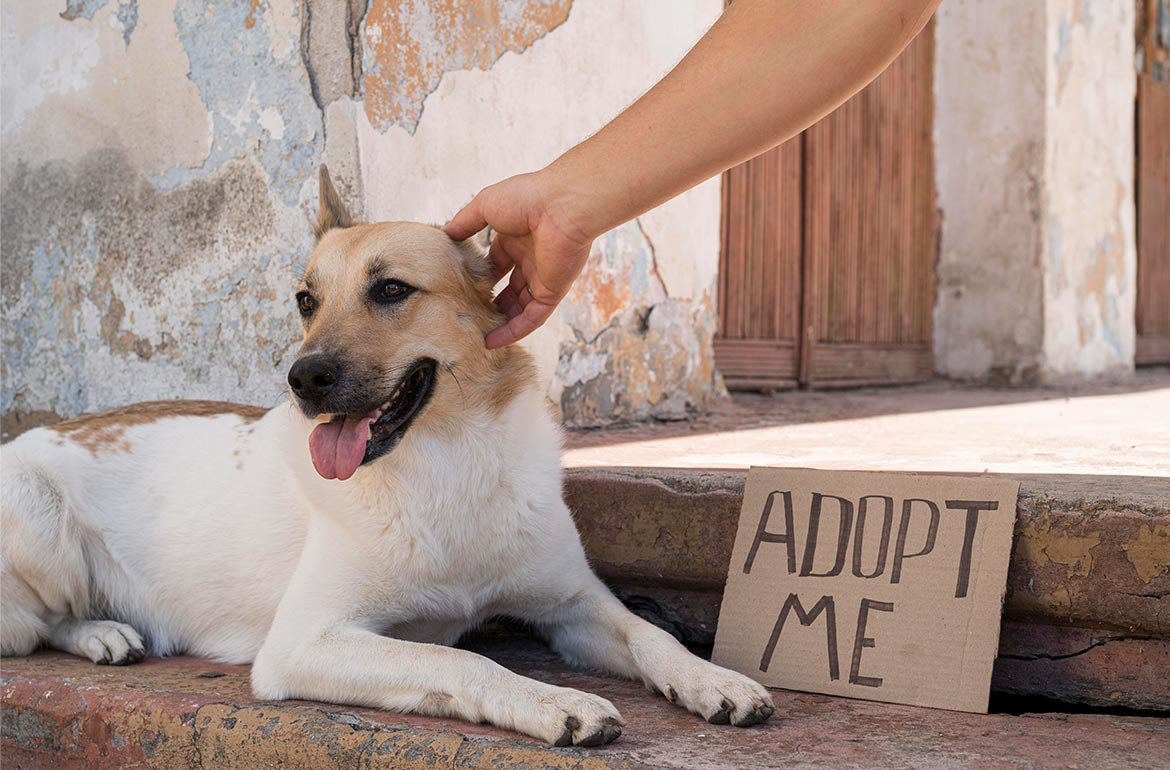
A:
(452, 302)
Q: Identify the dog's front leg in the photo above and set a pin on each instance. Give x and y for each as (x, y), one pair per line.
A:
(595, 629)
(348, 664)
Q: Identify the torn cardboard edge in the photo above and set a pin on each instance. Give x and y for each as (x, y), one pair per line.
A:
(873, 585)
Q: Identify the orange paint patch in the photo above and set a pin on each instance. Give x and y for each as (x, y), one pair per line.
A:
(412, 43)
(250, 19)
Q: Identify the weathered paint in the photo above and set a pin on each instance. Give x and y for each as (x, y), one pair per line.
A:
(1149, 554)
(1035, 165)
(1090, 253)
(153, 203)
(653, 280)
(410, 44)
(157, 185)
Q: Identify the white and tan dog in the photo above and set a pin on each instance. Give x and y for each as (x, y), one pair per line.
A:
(410, 490)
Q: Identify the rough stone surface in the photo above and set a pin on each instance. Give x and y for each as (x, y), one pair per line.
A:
(63, 712)
(1082, 665)
(938, 427)
(1085, 551)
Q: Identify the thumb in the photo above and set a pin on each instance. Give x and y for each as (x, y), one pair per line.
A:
(468, 221)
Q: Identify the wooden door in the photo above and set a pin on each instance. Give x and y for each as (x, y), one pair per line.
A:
(827, 272)
(758, 344)
(870, 231)
(1153, 188)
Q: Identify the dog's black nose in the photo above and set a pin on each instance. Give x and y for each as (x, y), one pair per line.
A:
(312, 377)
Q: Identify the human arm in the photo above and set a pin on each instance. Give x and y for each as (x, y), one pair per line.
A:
(766, 70)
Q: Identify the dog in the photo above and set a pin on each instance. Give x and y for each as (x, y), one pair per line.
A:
(408, 490)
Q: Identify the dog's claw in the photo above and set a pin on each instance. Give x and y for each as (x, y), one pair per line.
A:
(723, 715)
(566, 738)
(670, 694)
(589, 741)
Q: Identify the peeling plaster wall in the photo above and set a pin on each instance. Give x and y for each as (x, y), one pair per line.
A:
(158, 165)
(157, 172)
(633, 339)
(1034, 140)
(1090, 252)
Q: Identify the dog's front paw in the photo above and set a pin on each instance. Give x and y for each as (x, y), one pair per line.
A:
(106, 642)
(570, 717)
(721, 696)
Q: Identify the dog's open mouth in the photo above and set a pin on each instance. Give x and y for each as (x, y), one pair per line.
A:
(347, 441)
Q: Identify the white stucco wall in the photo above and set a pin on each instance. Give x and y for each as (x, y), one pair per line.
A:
(1035, 164)
(989, 155)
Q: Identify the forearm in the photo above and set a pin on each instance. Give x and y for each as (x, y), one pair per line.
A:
(764, 72)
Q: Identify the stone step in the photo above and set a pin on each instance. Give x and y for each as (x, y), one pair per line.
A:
(65, 713)
(1087, 611)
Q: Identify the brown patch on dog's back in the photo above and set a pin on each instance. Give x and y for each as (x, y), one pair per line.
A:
(103, 431)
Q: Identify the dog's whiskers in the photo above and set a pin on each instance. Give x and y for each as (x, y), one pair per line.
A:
(451, 370)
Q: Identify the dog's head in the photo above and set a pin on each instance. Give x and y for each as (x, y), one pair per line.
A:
(393, 312)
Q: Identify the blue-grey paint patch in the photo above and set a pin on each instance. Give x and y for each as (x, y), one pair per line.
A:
(82, 9)
(260, 107)
(1063, 35)
(128, 18)
(51, 315)
(1055, 247)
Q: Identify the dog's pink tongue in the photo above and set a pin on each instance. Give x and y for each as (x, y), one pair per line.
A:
(337, 447)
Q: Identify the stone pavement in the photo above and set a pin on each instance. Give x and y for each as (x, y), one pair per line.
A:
(1121, 429)
(67, 713)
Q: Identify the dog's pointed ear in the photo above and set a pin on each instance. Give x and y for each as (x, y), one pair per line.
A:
(475, 254)
(331, 212)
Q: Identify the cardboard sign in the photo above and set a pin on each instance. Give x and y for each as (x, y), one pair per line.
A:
(883, 586)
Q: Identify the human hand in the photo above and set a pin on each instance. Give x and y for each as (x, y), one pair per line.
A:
(536, 238)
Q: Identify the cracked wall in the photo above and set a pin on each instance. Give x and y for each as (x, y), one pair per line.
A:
(158, 183)
(633, 339)
(158, 168)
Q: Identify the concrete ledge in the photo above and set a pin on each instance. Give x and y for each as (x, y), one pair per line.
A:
(1090, 567)
(64, 712)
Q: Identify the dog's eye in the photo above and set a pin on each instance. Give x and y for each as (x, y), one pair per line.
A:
(389, 291)
(305, 303)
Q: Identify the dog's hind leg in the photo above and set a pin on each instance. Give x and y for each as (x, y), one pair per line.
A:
(45, 585)
(22, 623)
(594, 629)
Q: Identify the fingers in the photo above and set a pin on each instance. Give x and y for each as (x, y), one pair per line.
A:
(469, 221)
(500, 260)
(535, 313)
(510, 301)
